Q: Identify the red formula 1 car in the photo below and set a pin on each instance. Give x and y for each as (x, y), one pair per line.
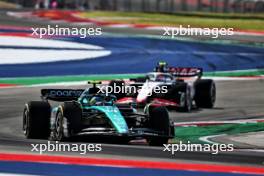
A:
(176, 87)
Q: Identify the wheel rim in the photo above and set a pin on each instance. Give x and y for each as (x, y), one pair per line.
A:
(189, 104)
(59, 127)
(188, 100)
(25, 122)
(213, 94)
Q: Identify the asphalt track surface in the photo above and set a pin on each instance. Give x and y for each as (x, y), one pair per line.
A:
(235, 100)
(245, 102)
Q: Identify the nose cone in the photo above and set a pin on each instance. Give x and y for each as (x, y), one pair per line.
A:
(141, 99)
(146, 91)
(143, 95)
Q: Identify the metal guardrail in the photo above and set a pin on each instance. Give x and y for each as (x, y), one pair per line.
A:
(168, 6)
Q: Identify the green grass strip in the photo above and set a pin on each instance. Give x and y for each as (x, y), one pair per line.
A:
(206, 20)
(57, 79)
(193, 134)
(236, 73)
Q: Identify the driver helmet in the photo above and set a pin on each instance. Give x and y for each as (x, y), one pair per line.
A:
(95, 101)
(161, 66)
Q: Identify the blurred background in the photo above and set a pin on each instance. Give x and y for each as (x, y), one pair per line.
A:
(168, 6)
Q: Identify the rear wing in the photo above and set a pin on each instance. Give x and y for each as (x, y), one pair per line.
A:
(185, 71)
(61, 94)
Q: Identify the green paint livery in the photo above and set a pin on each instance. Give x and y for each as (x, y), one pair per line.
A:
(114, 115)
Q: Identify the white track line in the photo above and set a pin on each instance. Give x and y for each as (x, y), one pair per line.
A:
(197, 123)
(206, 138)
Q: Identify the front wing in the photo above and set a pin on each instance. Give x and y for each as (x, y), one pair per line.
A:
(132, 133)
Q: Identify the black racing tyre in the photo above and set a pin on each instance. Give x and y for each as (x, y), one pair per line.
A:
(36, 120)
(59, 128)
(117, 84)
(68, 121)
(205, 93)
(187, 101)
(159, 121)
(177, 91)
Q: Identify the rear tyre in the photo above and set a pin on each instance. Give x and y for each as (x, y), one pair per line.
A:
(160, 122)
(36, 120)
(68, 121)
(205, 93)
(182, 93)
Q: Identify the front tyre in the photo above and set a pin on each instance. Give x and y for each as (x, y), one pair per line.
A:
(187, 100)
(160, 122)
(67, 121)
(36, 120)
(181, 91)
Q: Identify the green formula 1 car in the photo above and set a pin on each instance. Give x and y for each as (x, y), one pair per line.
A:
(85, 113)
